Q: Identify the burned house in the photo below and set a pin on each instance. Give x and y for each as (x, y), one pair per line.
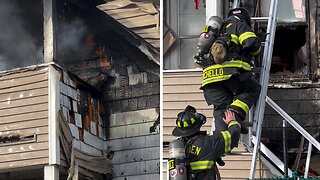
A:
(294, 78)
(79, 90)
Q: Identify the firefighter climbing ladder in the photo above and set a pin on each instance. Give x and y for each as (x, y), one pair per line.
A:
(264, 80)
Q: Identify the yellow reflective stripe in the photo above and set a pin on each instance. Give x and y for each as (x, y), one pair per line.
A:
(234, 38)
(185, 124)
(237, 63)
(241, 105)
(220, 77)
(245, 36)
(257, 52)
(215, 79)
(230, 24)
(227, 141)
(234, 122)
(193, 120)
(200, 165)
(178, 124)
(232, 63)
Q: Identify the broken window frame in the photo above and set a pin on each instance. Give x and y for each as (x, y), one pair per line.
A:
(291, 74)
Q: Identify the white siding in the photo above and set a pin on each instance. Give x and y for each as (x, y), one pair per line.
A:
(24, 111)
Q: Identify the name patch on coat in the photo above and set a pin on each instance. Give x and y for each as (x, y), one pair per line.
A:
(194, 150)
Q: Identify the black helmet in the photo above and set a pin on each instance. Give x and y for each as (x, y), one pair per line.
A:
(188, 122)
(241, 13)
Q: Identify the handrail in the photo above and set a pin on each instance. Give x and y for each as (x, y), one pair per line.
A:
(268, 153)
(293, 123)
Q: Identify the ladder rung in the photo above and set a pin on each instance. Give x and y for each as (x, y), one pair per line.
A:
(265, 19)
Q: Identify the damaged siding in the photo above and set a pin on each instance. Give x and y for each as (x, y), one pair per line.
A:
(129, 83)
(133, 103)
(82, 128)
(25, 118)
(131, 96)
(24, 114)
(81, 109)
(137, 151)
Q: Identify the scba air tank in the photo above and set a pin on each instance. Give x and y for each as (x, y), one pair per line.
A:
(177, 164)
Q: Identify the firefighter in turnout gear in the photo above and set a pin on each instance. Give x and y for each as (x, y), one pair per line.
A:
(228, 81)
(201, 149)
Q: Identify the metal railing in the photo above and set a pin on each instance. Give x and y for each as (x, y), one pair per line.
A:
(303, 132)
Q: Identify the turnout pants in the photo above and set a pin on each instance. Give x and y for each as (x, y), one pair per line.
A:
(238, 93)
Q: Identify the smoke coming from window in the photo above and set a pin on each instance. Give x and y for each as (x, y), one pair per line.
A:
(71, 41)
(21, 33)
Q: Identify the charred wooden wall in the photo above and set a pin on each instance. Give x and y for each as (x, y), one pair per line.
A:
(302, 104)
(129, 82)
(317, 39)
(81, 107)
(24, 119)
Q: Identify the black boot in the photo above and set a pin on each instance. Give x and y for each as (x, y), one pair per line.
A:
(220, 161)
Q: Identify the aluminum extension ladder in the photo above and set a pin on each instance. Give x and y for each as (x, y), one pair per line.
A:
(264, 76)
(264, 80)
(263, 98)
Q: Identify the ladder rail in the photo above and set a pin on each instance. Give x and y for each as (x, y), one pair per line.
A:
(267, 55)
(235, 4)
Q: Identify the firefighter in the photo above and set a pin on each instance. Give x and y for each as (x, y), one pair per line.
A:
(202, 150)
(228, 82)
